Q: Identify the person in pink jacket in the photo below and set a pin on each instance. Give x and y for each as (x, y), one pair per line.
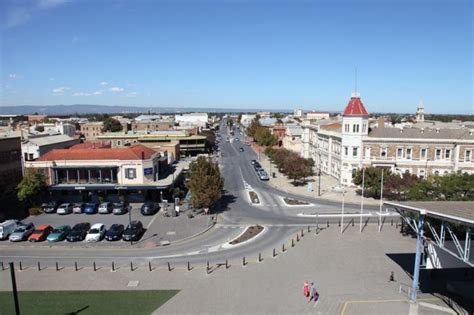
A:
(306, 289)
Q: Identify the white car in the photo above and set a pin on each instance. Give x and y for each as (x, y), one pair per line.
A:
(64, 208)
(96, 233)
(105, 208)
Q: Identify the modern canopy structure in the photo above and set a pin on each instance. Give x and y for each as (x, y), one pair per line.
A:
(446, 248)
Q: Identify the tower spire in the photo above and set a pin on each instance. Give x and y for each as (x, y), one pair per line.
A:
(355, 93)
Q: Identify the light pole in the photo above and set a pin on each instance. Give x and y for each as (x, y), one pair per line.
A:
(362, 198)
(381, 203)
(130, 222)
(342, 209)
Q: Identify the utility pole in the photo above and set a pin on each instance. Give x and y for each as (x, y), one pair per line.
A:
(14, 290)
(362, 199)
(342, 210)
(319, 174)
(381, 203)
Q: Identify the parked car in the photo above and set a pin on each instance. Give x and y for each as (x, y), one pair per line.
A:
(257, 166)
(91, 208)
(78, 232)
(253, 162)
(149, 208)
(120, 208)
(59, 233)
(7, 228)
(105, 208)
(22, 232)
(49, 207)
(263, 175)
(241, 149)
(134, 231)
(78, 207)
(64, 208)
(114, 233)
(96, 233)
(40, 233)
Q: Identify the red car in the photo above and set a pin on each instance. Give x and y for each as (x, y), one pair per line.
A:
(40, 233)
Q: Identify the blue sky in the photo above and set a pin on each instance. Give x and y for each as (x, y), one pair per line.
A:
(238, 53)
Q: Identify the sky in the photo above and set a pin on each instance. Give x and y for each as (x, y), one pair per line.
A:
(239, 54)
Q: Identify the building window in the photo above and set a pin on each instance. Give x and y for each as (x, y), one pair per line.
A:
(364, 128)
(367, 152)
(383, 152)
(467, 155)
(119, 142)
(399, 153)
(421, 173)
(346, 128)
(346, 151)
(423, 152)
(130, 173)
(436, 173)
(408, 155)
(354, 151)
(355, 128)
(447, 154)
(438, 154)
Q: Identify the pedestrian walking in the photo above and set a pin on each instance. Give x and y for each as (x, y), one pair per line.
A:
(312, 292)
(306, 289)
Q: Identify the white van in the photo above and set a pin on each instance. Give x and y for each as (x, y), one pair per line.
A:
(7, 228)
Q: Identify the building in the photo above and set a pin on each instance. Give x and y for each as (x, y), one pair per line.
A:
(107, 170)
(36, 118)
(34, 147)
(92, 130)
(292, 138)
(339, 148)
(192, 119)
(298, 113)
(10, 164)
(188, 144)
(317, 115)
(62, 128)
(152, 125)
(420, 112)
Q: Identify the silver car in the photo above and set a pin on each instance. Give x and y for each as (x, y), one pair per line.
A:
(64, 208)
(22, 232)
(105, 208)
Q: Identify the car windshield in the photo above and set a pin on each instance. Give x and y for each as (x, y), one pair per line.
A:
(94, 231)
(20, 229)
(38, 231)
(115, 228)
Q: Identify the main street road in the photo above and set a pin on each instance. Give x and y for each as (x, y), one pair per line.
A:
(236, 213)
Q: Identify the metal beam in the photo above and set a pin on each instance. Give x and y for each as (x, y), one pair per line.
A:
(443, 233)
(419, 244)
(467, 244)
(456, 242)
(433, 231)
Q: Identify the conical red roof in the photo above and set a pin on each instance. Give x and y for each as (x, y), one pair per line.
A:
(355, 107)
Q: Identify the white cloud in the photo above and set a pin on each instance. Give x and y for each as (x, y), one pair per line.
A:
(104, 83)
(132, 94)
(14, 76)
(51, 79)
(20, 12)
(81, 94)
(98, 93)
(116, 89)
(60, 90)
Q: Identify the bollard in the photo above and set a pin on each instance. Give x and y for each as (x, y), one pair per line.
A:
(3, 267)
(21, 267)
(113, 266)
(339, 223)
(302, 233)
(207, 267)
(149, 266)
(274, 252)
(94, 266)
(39, 266)
(283, 248)
(243, 262)
(226, 264)
(189, 266)
(131, 265)
(309, 229)
(57, 266)
(259, 257)
(328, 223)
(352, 222)
(75, 265)
(297, 237)
(292, 243)
(169, 267)
(391, 223)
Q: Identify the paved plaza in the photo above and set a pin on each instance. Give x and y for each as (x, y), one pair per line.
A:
(351, 272)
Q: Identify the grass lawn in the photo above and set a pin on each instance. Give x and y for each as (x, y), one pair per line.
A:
(86, 302)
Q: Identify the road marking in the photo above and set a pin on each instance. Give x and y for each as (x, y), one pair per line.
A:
(378, 301)
(151, 222)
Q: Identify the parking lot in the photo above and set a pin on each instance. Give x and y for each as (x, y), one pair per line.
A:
(159, 229)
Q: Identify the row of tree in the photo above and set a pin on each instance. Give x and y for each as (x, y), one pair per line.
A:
(291, 164)
(205, 182)
(450, 187)
(260, 134)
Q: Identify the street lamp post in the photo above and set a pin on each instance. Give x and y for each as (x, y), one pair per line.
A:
(342, 209)
(362, 198)
(319, 174)
(381, 203)
(130, 221)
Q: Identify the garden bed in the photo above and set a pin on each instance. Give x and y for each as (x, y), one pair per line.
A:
(249, 233)
(295, 202)
(254, 197)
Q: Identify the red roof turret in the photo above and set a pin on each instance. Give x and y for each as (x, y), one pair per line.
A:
(355, 107)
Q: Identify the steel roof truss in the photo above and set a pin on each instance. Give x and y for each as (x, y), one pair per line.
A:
(456, 242)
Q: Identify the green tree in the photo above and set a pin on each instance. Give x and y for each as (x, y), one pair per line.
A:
(205, 182)
(239, 118)
(33, 182)
(111, 125)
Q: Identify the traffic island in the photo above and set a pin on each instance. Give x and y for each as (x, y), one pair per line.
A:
(254, 197)
(295, 202)
(248, 234)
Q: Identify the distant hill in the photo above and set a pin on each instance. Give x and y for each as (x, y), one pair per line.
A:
(105, 109)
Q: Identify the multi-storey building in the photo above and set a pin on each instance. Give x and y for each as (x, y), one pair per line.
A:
(340, 147)
(10, 163)
(91, 130)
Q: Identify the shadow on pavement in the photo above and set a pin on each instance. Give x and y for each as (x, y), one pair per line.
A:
(456, 284)
(223, 203)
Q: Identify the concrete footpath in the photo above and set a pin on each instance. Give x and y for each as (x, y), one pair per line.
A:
(350, 271)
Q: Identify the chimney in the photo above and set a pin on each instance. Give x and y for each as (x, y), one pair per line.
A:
(381, 122)
(143, 155)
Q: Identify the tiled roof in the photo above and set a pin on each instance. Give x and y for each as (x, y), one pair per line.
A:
(332, 126)
(128, 153)
(91, 145)
(355, 107)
